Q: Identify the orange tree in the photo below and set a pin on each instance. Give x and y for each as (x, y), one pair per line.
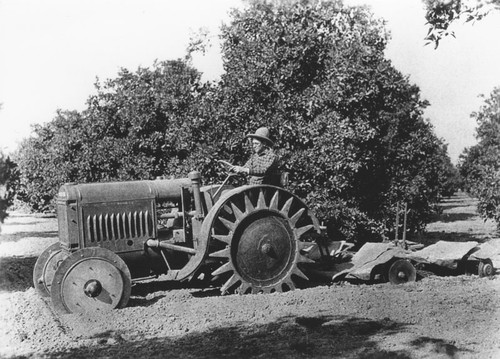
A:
(9, 177)
(480, 164)
(136, 126)
(349, 126)
(48, 159)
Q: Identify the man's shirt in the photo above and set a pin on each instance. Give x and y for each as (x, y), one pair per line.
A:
(263, 167)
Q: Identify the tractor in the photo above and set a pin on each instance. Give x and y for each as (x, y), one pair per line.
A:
(111, 235)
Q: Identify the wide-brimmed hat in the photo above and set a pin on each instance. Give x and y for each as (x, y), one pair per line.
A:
(262, 134)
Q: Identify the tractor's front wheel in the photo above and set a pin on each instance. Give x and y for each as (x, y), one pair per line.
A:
(45, 267)
(89, 280)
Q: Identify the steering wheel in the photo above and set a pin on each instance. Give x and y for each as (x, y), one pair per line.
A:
(230, 174)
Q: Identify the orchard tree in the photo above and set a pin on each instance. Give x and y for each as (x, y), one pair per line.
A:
(137, 126)
(9, 181)
(49, 158)
(147, 118)
(480, 164)
(450, 180)
(9, 178)
(349, 126)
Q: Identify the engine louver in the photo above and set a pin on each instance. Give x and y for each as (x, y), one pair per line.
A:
(117, 226)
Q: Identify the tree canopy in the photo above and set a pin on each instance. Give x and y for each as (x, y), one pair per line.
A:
(348, 125)
(9, 177)
(137, 126)
(479, 164)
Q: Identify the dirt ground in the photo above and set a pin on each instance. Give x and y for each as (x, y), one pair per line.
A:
(435, 317)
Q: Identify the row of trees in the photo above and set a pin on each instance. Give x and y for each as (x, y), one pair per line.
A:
(479, 165)
(9, 179)
(348, 125)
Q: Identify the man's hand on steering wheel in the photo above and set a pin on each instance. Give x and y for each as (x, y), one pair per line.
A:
(239, 169)
(233, 168)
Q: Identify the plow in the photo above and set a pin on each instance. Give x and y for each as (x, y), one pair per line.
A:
(247, 239)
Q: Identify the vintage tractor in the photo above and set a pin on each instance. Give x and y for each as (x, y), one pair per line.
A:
(114, 234)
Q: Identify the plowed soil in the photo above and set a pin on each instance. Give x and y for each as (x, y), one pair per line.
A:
(435, 317)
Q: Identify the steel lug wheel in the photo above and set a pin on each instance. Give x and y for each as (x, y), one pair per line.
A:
(259, 232)
(89, 280)
(45, 267)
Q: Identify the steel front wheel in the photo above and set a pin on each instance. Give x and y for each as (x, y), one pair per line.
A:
(89, 280)
(45, 267)
(258, 234)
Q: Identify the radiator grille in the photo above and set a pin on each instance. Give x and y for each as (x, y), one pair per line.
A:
(116, 226)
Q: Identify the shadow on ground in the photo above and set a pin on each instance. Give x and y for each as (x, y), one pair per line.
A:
(434, 237)
(30, 223)
(197, 289)
(290, 337)
(141, 290)
(14, 237)
(16, 273)
(437, 346)
(453, 217)
(156, 285)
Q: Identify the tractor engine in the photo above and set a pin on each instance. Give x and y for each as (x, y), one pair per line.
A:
(123, 217)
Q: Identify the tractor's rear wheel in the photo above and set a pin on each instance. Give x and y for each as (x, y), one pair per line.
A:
(257, 232)
(45, 267)
(89, 280)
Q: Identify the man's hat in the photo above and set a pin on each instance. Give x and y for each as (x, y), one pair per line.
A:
(262, 134)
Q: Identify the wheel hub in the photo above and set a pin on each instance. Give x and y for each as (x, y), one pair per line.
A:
(401, 271)
(488, 270)
(264, 250)
(92, 288)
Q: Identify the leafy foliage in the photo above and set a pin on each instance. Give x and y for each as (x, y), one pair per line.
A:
(9, 177)
(480, 164)
(137, 126)
(348, 125)
(442, 13)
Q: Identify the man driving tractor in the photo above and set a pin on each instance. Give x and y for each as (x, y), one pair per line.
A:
(263, 165)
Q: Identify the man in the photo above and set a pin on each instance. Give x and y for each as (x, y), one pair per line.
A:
(262, 167)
